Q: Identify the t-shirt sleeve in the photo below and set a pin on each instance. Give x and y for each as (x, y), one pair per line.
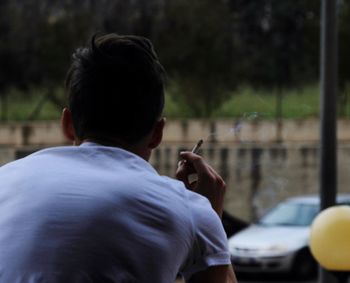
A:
(210, 242)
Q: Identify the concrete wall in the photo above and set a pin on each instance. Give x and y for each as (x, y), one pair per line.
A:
(258, 171)
(183, 131)
(31, 134)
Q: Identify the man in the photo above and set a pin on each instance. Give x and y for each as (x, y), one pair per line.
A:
(98, 211)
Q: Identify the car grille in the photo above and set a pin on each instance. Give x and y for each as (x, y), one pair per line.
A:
(254, 263)
(246, 264)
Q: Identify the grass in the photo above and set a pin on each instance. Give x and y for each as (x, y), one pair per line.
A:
(248, 103)
(245, 102)
(21, 106)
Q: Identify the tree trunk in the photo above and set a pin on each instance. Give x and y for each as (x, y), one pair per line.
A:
(4, 107)
(279, 113)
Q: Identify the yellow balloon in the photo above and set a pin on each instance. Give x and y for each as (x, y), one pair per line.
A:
(330, 238)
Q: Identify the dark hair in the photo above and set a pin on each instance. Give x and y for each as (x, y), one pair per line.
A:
(115, 88)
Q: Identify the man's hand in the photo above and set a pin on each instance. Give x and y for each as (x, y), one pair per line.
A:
(208, 184)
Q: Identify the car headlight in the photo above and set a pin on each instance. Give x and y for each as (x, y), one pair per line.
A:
(232, 246)
(258, 251)
(277, 249)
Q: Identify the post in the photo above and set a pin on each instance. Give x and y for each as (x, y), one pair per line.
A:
(329, 77)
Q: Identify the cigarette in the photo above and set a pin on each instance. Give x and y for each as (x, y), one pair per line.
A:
(194, 150)
(197, 146)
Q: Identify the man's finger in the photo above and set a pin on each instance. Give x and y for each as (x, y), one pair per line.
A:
(200, 167)
(183, 172)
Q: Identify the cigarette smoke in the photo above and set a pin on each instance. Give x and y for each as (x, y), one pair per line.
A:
(237, 127)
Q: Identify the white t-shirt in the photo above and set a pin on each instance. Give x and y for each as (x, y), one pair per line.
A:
(93, 213)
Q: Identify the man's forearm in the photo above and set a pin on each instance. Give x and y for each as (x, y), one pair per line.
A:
(215, 274)
(231, 276)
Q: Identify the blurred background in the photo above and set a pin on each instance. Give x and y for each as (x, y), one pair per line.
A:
(242, 75)
(223, 58)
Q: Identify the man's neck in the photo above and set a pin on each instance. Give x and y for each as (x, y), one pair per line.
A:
(137, 149)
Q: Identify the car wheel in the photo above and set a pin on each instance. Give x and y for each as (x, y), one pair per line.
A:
(304, 265)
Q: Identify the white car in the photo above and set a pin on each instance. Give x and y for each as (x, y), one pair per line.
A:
(278, 242)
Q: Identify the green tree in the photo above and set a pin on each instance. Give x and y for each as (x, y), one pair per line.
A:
(277, 50)
(279, 41)
(194, 42)
(195, 45)
(208, 47)
(38, 38)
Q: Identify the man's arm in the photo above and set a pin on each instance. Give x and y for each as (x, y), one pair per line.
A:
(211, 185)
(214, 274)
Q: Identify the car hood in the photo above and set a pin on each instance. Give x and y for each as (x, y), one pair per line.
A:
(257, 237)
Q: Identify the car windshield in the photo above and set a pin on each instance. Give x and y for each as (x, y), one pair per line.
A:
(290, 214)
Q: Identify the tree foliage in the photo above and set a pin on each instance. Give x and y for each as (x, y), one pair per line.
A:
(196, 44)
(208, 47)
(279, 41)
(37, 40)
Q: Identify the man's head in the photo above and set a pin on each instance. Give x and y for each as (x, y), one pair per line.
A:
(115, 89)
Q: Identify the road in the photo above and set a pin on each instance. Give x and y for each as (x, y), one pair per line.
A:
(264, 279)
(268, 281)
(240, 281)
(274, 281)
(271, 279)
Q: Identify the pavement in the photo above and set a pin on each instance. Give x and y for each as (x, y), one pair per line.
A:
(240, 281)
(264, 279)
(275, 281)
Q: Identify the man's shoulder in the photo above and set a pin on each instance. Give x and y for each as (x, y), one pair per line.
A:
(34, 156)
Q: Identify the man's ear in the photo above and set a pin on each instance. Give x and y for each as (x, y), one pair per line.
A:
(67, 124)
(157, 134)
